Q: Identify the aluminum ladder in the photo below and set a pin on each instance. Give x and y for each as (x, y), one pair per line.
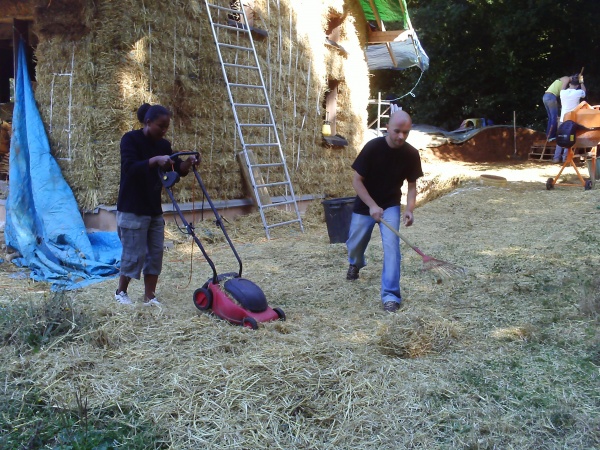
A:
(261, 157)
(382, 113)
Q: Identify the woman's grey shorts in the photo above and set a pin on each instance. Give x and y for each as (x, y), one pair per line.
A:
(143, 240)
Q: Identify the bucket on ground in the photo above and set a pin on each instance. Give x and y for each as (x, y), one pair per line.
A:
(338, 215)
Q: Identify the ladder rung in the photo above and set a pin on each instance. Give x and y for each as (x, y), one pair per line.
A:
(229, 27)
(254, 86)
(283, 223)
(286, 202)
(240, 66)
(250, 105)
(267, 165)
(222, 8)
(256, 125)
(236, 47)
(270, 144)
(279, 183)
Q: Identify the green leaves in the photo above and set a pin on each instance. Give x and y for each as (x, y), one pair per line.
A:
(489, 58)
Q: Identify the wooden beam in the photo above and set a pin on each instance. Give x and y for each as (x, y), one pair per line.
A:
(381, 37)
(23, 10)
(401, 3)
(382, 28)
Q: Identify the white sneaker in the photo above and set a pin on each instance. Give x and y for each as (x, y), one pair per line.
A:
(152, 302)
(123, 298)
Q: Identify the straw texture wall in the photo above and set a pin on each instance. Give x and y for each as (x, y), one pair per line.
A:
(92, 78)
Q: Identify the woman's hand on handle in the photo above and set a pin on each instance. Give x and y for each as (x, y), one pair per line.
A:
(161, 161)
(186, 165)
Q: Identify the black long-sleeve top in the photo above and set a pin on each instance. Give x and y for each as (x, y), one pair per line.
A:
(140, 186)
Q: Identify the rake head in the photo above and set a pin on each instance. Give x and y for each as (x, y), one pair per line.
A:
(442, 269)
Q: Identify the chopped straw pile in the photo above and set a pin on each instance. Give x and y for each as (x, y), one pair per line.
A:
(506, 357)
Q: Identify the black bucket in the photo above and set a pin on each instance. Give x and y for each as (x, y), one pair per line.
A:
(338, 215)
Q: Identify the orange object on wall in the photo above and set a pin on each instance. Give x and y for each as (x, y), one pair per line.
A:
(5, 131)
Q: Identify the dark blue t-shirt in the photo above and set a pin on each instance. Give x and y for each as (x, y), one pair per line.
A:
(384, 170)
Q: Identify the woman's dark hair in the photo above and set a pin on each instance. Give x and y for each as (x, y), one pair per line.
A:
(574, 79)
(148, 112)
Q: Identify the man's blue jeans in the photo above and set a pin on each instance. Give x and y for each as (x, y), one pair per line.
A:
(551, 104)
(359, 236)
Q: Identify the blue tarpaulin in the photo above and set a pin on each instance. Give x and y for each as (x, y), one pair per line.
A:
(43, 223)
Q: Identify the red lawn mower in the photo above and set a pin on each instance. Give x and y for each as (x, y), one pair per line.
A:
(228, 295)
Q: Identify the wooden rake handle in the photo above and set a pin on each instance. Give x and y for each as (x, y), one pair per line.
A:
(397, 233)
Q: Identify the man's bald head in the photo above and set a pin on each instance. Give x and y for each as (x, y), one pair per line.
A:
(398, 128)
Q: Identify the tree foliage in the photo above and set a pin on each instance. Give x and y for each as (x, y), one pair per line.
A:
(495, 58)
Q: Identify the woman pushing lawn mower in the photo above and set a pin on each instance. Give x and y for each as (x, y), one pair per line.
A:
(227, 295)
(140, 222)
(147, 161)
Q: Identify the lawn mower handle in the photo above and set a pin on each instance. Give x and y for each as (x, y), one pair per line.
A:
(168, 182)
(172, 177)
(196, 154)
(219, 222)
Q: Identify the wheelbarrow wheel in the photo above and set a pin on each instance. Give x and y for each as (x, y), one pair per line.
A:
(588, 185)
(250, 322)
(203, 299)
(550, 183)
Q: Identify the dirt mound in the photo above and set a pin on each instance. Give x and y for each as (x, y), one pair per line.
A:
(490, 144)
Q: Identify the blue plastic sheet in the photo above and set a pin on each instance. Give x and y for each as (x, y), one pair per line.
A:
(43, 222)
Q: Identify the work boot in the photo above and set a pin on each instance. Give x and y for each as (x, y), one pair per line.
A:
(352, 273)
(391, 307)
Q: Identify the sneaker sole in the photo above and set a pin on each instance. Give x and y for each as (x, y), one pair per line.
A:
(148, 304)
(391, 309)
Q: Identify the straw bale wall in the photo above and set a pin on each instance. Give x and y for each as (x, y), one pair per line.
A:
(91, 80)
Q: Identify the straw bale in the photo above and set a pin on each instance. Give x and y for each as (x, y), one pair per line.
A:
(160, 52)
(69, 19)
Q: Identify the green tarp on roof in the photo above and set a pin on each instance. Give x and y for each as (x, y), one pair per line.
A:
(407, 51)
(389, 11)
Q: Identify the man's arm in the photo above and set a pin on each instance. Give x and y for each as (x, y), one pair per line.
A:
(411, 201)
(359, 186)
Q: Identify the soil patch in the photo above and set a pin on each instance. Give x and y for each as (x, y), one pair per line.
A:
(490, 144)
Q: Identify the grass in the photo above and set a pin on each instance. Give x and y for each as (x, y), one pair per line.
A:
(28, 420)
(506, 357)
(30, 423)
